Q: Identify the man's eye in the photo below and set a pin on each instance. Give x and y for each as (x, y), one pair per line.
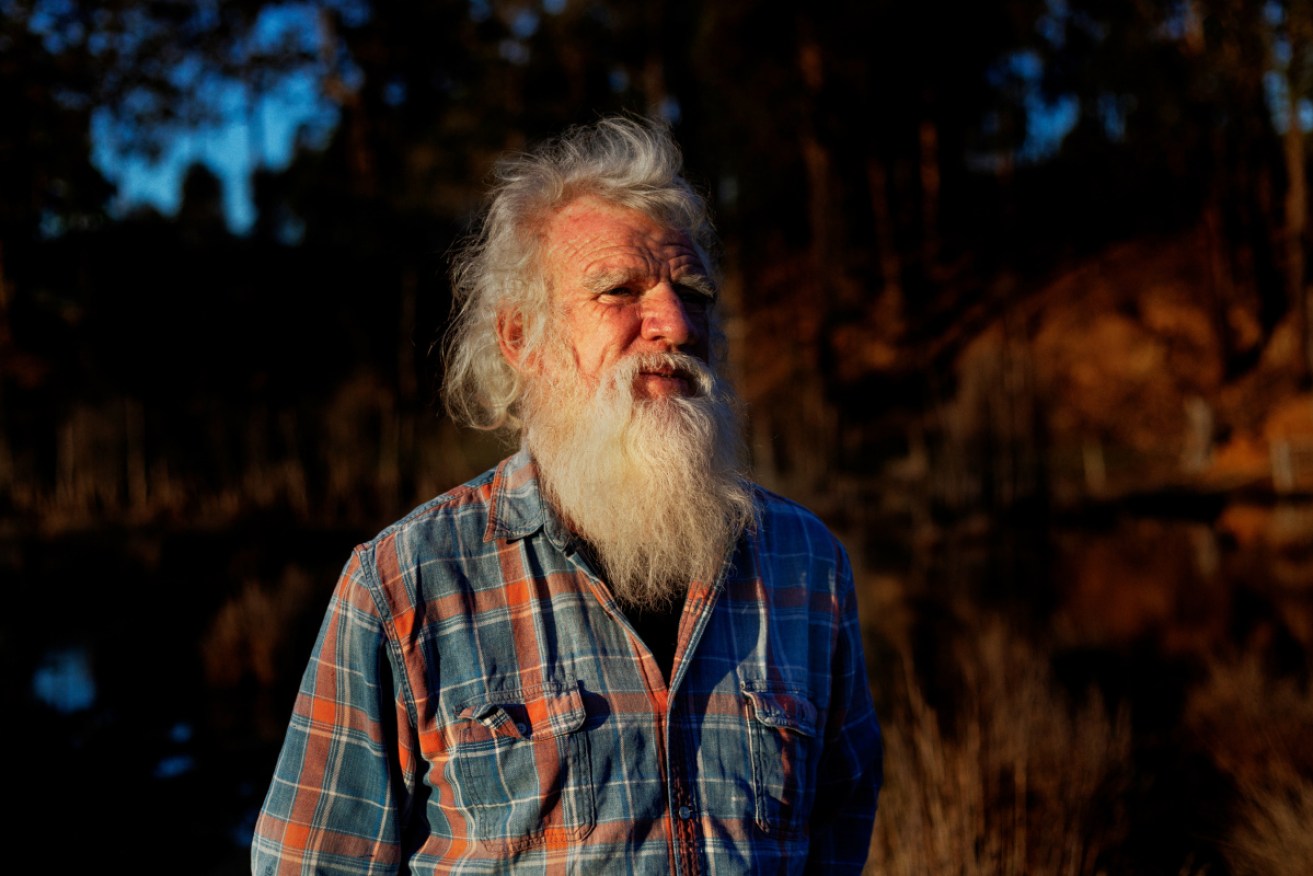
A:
(695, 299)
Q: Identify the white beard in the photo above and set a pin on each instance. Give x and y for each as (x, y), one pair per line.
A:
(655, 486)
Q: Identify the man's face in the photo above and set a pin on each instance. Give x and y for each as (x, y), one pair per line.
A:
(622, 284)
(621, 413)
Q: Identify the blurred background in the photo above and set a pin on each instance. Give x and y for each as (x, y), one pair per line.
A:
(1018, 299)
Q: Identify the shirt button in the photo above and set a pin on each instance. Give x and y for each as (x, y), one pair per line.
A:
(685, 813)
(523, 728)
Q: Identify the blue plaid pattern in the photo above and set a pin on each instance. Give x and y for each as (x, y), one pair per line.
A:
(478, 703)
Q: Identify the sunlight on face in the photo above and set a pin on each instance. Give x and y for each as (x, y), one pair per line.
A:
(622, 284)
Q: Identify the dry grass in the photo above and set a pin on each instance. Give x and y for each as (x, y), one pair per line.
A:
(363, 457)
(1257, 730)
(1018, 781)
(1014, 776)
(247, 652)
(250, 629)
(1272, 834)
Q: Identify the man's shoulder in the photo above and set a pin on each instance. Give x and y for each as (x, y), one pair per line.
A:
(774, 505)
(788, 524)
(447, 519)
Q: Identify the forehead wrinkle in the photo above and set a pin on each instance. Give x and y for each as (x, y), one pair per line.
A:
(636, 248)
(625, 263)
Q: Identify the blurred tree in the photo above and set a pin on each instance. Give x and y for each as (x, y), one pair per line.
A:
(47, 181)
(1293, 39)
(1178, 123)
(889, 184)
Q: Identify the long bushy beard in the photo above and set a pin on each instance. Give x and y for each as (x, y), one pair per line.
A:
(655, 486)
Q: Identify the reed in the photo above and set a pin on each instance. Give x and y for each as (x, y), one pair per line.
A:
(1255, 725)
(1018, 778)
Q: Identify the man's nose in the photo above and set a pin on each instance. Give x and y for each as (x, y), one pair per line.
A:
(666, 317)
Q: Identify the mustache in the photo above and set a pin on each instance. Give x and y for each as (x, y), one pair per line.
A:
(692, 370)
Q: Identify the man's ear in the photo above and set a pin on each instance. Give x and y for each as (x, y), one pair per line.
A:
(510, 337)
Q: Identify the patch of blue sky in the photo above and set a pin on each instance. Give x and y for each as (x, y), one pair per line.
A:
(669, 110)
(1181, 22)
(524, 23)
(249, 133)
(1058, 20)
(1276, 90)
(513, 51)
(174, 765)
(1113, 111)
(395, 92)
(54, 21)
(354, 13)
(243, 831)
(248, 129)
(1026, 66)
(1048, 120)
(1273, 13)
(1281, 50)
(64, 681)
(1052, 23)
(288, 25)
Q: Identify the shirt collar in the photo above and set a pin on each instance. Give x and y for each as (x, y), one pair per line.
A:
(518, 507)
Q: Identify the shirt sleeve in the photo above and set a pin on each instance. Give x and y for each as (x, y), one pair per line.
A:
(851, 769)
(340, 792)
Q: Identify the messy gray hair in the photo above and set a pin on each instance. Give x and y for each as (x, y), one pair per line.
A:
(621, 160)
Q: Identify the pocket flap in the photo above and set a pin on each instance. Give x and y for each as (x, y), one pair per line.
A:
(784, 709)
(539, 712)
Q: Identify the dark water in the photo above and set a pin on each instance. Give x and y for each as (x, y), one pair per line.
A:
(142, 736)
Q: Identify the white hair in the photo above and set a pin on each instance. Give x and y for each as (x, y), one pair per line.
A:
(657, 486)
(497, 272)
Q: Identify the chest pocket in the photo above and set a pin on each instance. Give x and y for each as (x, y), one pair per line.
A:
(523, 764)
(782, 735)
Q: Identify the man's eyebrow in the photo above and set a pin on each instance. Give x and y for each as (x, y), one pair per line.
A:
(609, 278)
(700, 283)
(613, 278)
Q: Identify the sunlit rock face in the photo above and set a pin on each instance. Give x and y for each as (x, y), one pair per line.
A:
(1113, 371)
(1130, 372)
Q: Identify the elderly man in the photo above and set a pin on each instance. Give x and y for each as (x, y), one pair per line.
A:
(613, 653)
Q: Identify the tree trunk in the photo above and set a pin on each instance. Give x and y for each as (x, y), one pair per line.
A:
(889, 307)
(1296, 201)
(1296, 212)
(929, 140)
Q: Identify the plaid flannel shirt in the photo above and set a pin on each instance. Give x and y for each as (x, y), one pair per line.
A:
(477, 703)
